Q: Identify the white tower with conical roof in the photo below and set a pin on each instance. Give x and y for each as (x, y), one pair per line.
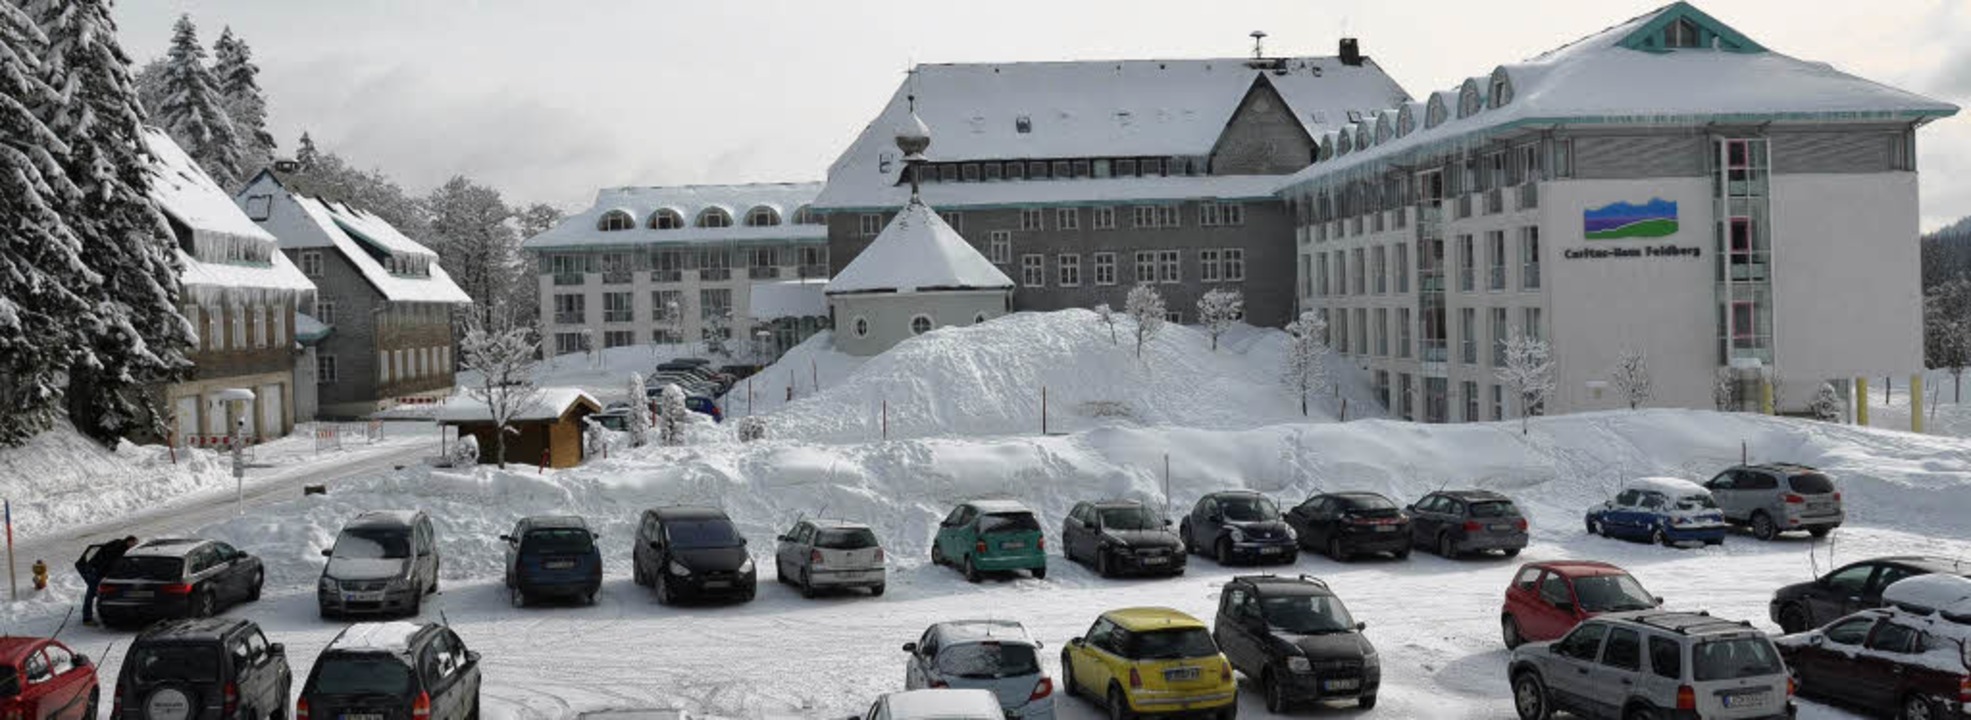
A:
(919, 274)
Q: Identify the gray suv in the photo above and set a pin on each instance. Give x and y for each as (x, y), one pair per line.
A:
(1778, 497)
(382, 562)
(1653, 664)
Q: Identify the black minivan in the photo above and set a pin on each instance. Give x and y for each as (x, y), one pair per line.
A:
(392, 671)
(552, 555)
(690, 553)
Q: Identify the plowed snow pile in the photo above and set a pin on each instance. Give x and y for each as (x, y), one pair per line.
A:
(61, 478)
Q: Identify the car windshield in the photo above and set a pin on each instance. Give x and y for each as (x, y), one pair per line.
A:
(1811, 484)
(1246, 508)
(1494, 509)
(1611, 593)
(369, 674)
(1173, 644)
(845, 539)
(1008, 523)
(707, 533)
(1701, 501)
(1306, 614)
(558, 540)
(1130, 518)
(988, 660)
(174, 663)
(1368, 506)
(373, 543)
(1735, 658)
(147, 568)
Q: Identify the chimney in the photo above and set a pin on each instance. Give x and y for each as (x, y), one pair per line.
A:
(1351, 52)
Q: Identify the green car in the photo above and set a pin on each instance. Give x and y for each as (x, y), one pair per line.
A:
(991, 536)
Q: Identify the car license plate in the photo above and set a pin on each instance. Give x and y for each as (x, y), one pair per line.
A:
(140, 594)
(718, 583)
(362, 596)
(1155, 560)
(560, 564)
(1752, 699)
(1385, 528)
(1501, 527)
(1269, 551)
(1348, 684)
(1180, 674)
(362, 716)
(1015, 545)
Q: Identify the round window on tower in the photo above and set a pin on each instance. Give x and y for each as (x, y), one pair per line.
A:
(861, 327)
(920, 324)
(979, 318)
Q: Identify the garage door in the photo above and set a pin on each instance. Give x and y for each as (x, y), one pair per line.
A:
(185, 422)
(270, 409)
(215, 417)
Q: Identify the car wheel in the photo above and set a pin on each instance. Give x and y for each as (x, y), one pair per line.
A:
(1102, 564)
(207, 605)
(1223, 551)
(1119, 705)
(807, 585)
(95, 698)
(253, 591)
(1184, 534)
(328, 614)
(1040, 573)
(1596, 528)
(1763, 527)
(876, 590)
(1509, 630)
(1819, 532)
(971, 571)
(474, 714)
(937, 556)
(417, 605)
(1640, 713)
(1915, 707)
(1335, 551)
(1366, 702)
(1067, 676)
(636, 574)
(1793, 618)
(664, 596)
(1656, 536)
(1276, 694)
(1529, 697)
(1511, 552)
(1446, 548)
(1229, 712)
(517, 596)
(591, 597)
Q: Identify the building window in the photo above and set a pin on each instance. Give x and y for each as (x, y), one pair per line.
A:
(1468, 335)
(1101, 168)
(564, 343)
(1495, 260)
(1000, 247)
(666, 219)
(1380, 390)
(616, 308)
(1361, 324)
(1208, 266)
(1145, 216)
(615, 220)
(1470, 391)
(1030, 219)
(191, 312)
(968, 172)
(277, 318)
(1379, 268)
(1037, 170)
(1168, 268)
(861, 327)
(1033, 270)
(311, 263)
(955, 219)
(239, 327)
(1213, 214)
(1105, 218)
(714, 218)
(1105, 268)
(1358, 273)
(991, 171)
(383, 365)
(1403, 332)
(920, 324)
(1402, 267)
(1016, 170)
(1404, 391)
(215, 328)
(1498, 402)
(1234, 264)
(666, 304)
(1069, 269)
(666, 336)
(569, 309)
(762, 216)
(1081, 168)
(1340, 331)
(715, 302)
(1382, 332)
(1146, 266)
(259, 327)
(1068, 218)
(1500, 332)
(1529, 257)
(947, 173)
(1680, 34)
(872, 223)
(1467, 264)
(325, 369)
(1321, 274)
(618, 338)
(1532, 328)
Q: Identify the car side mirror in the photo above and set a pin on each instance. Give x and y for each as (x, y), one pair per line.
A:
(277, 649)
(784, 538)
(1077, 642)
(328, 552)
(506, 538)
(1658, 599)
(1360, 626)
(472, 657)
(910, 647)
(80, 660)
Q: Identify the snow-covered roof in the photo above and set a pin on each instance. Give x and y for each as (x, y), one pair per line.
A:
(961, 631)
(367, 227)
(1669, 486)
(792, 298)
(1606, 79)
(335, 223)
(918, 252)
(307, 329)
(688, 201)
(1935, 592)
(278, 273)
(944, 704)
(187, 194)
(548, 404)
(391, 637)
(1000, 506)
(1090, 109)
(1042, 193)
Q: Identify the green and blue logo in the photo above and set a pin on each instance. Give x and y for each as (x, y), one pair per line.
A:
(1621, 220)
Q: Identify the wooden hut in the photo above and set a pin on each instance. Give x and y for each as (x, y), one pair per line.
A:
(550, 427)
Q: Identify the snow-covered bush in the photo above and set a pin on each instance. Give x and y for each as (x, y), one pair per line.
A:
(1145, 306)
(1529, 371)
(1218, 309)
(1827, 403)
(464, 453)
(672, 415)
(638, 422)
(751, 428)
(1631, 377)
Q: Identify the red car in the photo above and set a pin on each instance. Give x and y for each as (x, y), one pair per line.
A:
(1547, 599)
(41, 679)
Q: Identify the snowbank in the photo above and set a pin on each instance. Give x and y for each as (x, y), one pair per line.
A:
(62, 478)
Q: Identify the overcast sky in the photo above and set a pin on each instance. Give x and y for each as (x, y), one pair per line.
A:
(548, 100)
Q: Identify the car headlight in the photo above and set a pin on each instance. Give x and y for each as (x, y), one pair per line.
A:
(1299, 664)
(1236, 534)
(679, 569)
(1291, 535)
(328, 585)
(1373, 659)
(747, 567)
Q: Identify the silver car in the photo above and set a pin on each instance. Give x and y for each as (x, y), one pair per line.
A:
(819, 555)
(1655, 664)
(382, 562)
(995, 655)
(1778, 497)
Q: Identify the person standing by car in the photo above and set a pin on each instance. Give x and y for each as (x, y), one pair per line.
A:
(93, 566)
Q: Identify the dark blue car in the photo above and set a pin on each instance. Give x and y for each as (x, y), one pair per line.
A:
(1667, 511)
(701, 404)
(552, 556)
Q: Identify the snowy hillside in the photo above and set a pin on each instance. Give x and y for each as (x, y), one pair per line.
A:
(61, 478)
(987, 380)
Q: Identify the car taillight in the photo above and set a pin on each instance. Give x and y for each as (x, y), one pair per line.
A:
(1520, 523)
(1041, 544)
(1686, 698)
(231, 693)
(1964, 691)
(106, 589)
(1792, 686)
(421, 707)
(177, 589)
(939, 685)
(814, 556)
(300, 709)
(1224, 670)
(980, 547)
(1135, 679)
(1792, 499)
(879, 554)
(1042, 689)
(1472, 526)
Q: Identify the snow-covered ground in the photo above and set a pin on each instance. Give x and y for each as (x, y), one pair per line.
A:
(1434, 620)
(1942, 413)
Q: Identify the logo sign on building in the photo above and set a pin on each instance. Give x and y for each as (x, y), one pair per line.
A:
(1624, 220)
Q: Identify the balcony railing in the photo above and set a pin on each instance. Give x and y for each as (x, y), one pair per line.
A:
(569, 278)
(568, 318)
(1495, 277)
(666, 276)
(1529, 196)
(1529, 276)
(715, 274)
(1495, 201)
(762, 273)
(616, 277)
(1463, 207)
(814, 271)
(618, 317)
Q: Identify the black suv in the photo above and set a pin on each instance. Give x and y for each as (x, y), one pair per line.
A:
(692, 552)
(1238, 525)
(1351, 523)
(176, 578)
(1852, 588)
(392, 671)
(1455, 522)
(204, 669)
(1119, 536)
(1295, 637)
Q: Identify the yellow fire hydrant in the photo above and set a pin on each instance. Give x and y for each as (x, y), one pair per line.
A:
(40, 575)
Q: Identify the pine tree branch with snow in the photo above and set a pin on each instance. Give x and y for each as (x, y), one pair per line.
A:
(505, 357)
(1529, 372)
(1145, 306)
(194, 114)
(1631, 377)
(1307, 368)
(1218, 309)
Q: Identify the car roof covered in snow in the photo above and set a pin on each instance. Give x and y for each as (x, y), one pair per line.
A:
(1673, 487)
(165, 547)
(953, 703)
(918, 252)
(1144, 619)
(995, 507)
(384, 518)
(1935, 592)
(392, 637)
(970, 631)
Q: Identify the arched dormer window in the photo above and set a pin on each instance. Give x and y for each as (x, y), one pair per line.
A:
(762, 216)
(615, 220)
(1362, 137)
(1406, 121)
(666, 219)
(1328, 146)
(1434, 111)
(1345, 143)
(1501, 94)
(714, 218)
(1385, 127)
(807, 216)
(1469, 101)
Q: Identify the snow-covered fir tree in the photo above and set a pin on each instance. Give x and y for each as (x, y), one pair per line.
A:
(1826, 404)
(475, 243)
(1631, 377)
(672, 415)
(1218, 309)
(639, 418)
(48, 290)
(305, 153)
(1307, 356)
(142, 340)
(193, 113)
(1107, 316)
(1144, 305)
(505, 357)
(245, 103)
(1947, 330)
(1529, 372)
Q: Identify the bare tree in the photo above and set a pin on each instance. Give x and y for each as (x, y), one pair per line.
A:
(1107, 316)
(505, 358)
(1631, 376)
(1529, 371)
(1725, 390)
(1307, 367)
(718, 330)
(1827, 403)
(1218, 309)
(588, 347)
(1145, 306)
(1776, 380)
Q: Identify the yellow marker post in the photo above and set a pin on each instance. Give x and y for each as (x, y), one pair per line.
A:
(1861, 401)
(1766, 395)
(1916, 402)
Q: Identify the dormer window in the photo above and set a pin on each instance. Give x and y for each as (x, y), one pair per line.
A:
(1680, 34)
(807, 216)
(666, 219)
(1022, 124)
(714, 218)
(762, 216)
(615, 220)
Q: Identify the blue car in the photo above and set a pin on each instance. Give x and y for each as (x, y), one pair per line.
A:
(552, 556)
(1666, 511)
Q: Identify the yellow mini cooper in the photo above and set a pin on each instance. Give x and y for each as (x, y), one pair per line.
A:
(1150, 661)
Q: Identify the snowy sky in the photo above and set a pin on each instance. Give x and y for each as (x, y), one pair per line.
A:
(549, 100)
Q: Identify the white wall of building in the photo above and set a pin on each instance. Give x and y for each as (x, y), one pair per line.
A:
(1846, 276)
(889, 315)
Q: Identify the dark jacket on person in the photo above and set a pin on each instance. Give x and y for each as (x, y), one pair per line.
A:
(104, 558)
